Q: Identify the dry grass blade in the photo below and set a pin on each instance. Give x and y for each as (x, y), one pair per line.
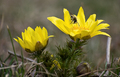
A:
(7, 75)
(31, 66)
(102, 73)
(12, 53)
(19, 65)
(44, 69)
(1, 25)
(12, 66)
(114, 73)
(56, 74)
(47, 73)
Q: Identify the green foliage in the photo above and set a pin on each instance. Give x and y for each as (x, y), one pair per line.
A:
(47, 60)
(68, 56)
(115, 64)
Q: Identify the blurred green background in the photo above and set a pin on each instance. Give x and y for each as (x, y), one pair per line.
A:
(19, 14)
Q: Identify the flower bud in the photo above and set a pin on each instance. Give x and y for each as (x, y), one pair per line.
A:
(83, 68)
(38, 46)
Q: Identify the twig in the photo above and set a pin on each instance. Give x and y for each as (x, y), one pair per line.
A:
(30, 70)
(108, 54)
(19, 65)
(10, 52)
(40, 64)
(44, 68)
(8, 67)
(46, 73)
(56, 74)
(12, 66)
(114, 73)
(31, 66)
(102, 74)
(1, 25)
(108, 50)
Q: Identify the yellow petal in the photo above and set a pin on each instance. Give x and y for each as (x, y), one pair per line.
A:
(85, 33)
(94, 25)
(67, 16)
(81, 17)
(90, 20)
(20, 41)
(29, 45)
(72, 34)
(77, 36)
(34, 38)
(101, 26)
(28, 33)
(27, 36)
(45, 33)
(30, 30)
(99, 21)
(15, 39)
(23, 35)
(51, 36)
(39, 35)
(59, 23)
(45, 42)
(91, 17)
(99, 33)
(38, 38)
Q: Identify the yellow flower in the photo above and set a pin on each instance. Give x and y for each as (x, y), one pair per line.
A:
(56, 63)
(51, 55)
(33, 40)
(78, 27)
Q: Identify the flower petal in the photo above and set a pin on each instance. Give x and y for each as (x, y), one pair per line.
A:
(81, 17)
(59, 23)
(45, 33)
(39, 33)
(94, 25)
(85, 33)
(99, 33)
(67, 16)
(101, 26)
(99, 21)
(51, 36)
(20, 41)
(90, 20)
(29, 45)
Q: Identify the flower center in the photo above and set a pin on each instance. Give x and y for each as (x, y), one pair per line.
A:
(77, 28)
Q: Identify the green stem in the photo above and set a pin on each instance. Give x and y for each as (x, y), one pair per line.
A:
(22, 63)
(37, 67)
(12, 43)
(7, 58)
(38, 57)
(2, 71)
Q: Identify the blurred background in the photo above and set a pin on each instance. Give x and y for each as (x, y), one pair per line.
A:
(19, 14)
